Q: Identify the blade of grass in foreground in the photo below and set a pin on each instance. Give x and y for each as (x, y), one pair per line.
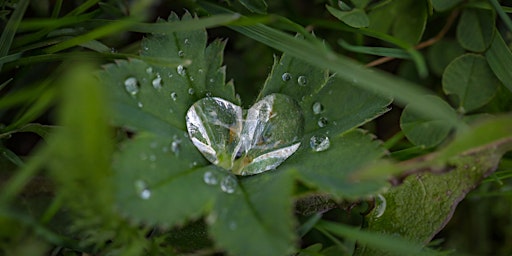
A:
(10, 29)
(402, 91)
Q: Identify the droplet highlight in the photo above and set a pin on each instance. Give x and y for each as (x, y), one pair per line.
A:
(323, 122)
(157, 83)
(319, 143)
(142, 189)
(380, 205)
(131, 85)
(286, 77)
(181, 70)
(210, 178)
(174, 96)
(302, 80)
(318, 108)
(181, 53)
(229, 184)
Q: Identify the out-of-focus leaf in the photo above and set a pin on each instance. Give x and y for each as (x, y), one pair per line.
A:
(470, 78)
(356, 17)
(10, 28)
(441, 54)
(475, 29)
(404, 19)
(257, 218)
(426, 132)
(421, 206)
(499, 58)
(257, 6)
(444, 5)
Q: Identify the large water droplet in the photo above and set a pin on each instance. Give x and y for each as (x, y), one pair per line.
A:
(319, 143)
(142, 189)
(286, 77)
(302, 80)
(380, 205)
(181, 70)
(131, 85)
(174, 96)
(210, 178)
(157, 83)
(229, 184)
(269, 134)
(322, 122)
(317, 108)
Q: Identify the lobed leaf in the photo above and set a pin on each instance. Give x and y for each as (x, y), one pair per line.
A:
(257, 219)
(470, 78)
(475, 29)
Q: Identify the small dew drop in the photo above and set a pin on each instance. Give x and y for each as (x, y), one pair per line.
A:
(317, 108)
(140, 105)
(149, 70)
(210, 178)
(181, 53)
(174, 96)
(142, 189)
(200, 71)
(380, 205)
(181, 70)
(157, 83)
(228, 184)
(175, 146)
(191, 91)
(209, 94)
(131, 85)
(212, 80)
(152, 158)
(302, 80)
(322, 122)
(113, 50)
(319, 143)
(232, 225)
(286, 77)
(186, 41)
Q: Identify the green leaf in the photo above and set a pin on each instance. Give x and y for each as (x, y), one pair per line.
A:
(331, 169)
(404, 19)
(441, 54)
(356, 17)
(159, 180)
(158, 96)
(444, 5)
(257, 219)
(421, 206)
(257, 6)
(10, 28)
(470, 78)
(499, 58)
(423, 131)
(475, 29)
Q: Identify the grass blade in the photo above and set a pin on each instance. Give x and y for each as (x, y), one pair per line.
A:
(10, 29)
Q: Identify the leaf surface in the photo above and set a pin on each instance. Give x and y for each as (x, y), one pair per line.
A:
(257, 218)
(475, 29)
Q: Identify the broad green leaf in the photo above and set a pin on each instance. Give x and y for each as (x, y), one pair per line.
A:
(499, 58)
(404, 19)
(257, 219)
(420, 207)
(441, 54)
(331, 167)
(475, 29)
(423, 131)
(155, 97)
(356, 17)
(329, 104)
(257, 6)
(470, 78)
(444, 5)
(159, 180)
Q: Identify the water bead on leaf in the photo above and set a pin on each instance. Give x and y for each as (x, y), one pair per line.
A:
(210, 178)
(181, 70)
(131, 85)
(286, 77)
(318, 108)
(319, 143)
(322, 122)
(302, 80)
(142, 189)
(157, 83)
(229, 184)
(268, 135)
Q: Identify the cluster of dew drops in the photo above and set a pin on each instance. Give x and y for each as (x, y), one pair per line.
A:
(317, 143)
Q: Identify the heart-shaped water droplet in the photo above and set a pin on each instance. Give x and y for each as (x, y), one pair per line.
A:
(269, 134)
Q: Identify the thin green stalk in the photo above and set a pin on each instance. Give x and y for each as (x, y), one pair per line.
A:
(10, 29)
